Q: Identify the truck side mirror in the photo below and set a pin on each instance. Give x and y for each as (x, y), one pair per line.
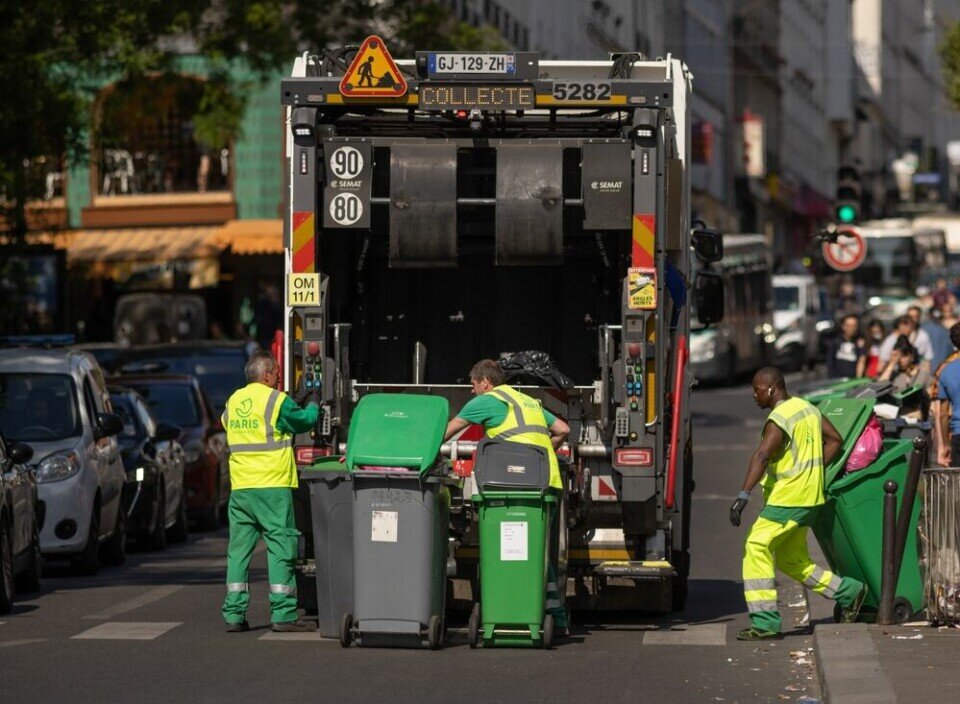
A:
(707, 244)
(107, 424)
(708, 296)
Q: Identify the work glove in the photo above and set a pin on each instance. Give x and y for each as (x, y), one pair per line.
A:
(302, 395)
(736, 509)
(314, 396)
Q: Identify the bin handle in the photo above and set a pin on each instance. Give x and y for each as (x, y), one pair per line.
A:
(679, 369)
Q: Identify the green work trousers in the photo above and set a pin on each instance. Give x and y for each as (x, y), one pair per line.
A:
(266, 513)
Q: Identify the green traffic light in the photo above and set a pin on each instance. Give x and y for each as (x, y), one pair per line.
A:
(846, 214)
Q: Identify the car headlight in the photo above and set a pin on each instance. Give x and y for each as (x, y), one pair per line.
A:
(58, 466)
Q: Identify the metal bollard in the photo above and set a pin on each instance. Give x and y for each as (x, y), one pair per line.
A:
(917, 457)
(888, 577)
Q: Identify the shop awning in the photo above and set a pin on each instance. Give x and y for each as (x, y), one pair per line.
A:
(251, 236)
(157, 244)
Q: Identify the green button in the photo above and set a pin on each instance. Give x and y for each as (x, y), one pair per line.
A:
(633, 406)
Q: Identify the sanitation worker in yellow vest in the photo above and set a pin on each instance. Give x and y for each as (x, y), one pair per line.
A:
(260, 423)
(796, 445)
(510, 415)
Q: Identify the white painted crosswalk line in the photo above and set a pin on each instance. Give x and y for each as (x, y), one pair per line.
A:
(315, 635)
(25, 641)
(128, 630)
(164, 590)
(702, 634)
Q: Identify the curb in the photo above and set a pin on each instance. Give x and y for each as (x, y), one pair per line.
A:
(848, 666)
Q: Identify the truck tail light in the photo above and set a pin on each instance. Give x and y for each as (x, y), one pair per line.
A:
(307, 455)
(633, 457)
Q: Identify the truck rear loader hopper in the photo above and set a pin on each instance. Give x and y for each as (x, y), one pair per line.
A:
(443, 227)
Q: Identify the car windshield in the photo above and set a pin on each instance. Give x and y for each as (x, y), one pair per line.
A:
(786, 298)
(219, 374)
(38, 407)
(122, 407)
(171, 403)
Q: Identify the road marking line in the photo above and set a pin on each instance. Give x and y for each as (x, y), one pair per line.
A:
(149, 597)
(314, 636)
(194, 563)
(703, 634)
(712, 497)
(25, 641)
(721, 448)
(128, 630)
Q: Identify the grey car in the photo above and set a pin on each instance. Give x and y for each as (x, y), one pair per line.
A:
(20, 520)
(56, 400)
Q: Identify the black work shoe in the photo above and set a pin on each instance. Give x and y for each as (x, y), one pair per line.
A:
(850, 614)
(239, 627)
(297, 626)
(754, 633)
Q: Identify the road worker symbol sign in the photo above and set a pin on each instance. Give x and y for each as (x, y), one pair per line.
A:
(642, 289)
(848, 252)
(372, 73)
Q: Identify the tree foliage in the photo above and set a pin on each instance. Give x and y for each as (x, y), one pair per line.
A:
(950, 63)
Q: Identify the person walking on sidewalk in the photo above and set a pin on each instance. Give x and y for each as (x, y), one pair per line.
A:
(797, 443)
(510, 415)
(260, 422)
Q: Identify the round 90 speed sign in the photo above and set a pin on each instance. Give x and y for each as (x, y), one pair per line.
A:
(346, 162)
(346, 208)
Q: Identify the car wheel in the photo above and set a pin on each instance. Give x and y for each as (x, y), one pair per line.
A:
(29, 581)
(157, 539)
(88, 563)
(114, 551)
(211, 517)
(6, 569)
(180, 530)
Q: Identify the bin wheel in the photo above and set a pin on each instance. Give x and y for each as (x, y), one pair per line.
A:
(346, 630)
(548, 631)
(473, 627)
(902, 610)
(435, 633)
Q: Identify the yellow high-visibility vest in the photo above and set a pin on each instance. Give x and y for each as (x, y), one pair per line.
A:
(795, 475)
(525, 423)
(261, 457)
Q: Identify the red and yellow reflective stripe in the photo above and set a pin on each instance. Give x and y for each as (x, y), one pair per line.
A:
(644, 227)
(304, 240)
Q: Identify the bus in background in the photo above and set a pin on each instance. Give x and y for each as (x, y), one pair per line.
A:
(949, 223)
(740, 343)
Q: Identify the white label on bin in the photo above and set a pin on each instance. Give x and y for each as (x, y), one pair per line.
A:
(513, 541)
(384, 527)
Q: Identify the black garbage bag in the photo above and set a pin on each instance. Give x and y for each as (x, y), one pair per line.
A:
(534, 368)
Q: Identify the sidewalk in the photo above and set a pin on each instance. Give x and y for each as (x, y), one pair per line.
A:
(867, 664)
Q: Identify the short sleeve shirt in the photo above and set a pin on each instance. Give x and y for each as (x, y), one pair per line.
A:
(491, 412)
(948, 389)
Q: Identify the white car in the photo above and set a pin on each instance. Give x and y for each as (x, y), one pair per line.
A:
(796, 319)
(56, 400)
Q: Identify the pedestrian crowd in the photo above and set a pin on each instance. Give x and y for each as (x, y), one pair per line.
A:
(917, 353)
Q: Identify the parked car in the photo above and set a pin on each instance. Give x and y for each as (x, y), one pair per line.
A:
(20, 520)
(107, 354)
(56, 400)
(796, 314)
(217, 365)
(155, 493)
(178, 399)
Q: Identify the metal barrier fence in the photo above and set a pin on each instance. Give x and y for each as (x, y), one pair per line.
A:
(939, 537)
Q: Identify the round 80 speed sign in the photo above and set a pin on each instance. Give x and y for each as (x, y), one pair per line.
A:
(346, 208)
(848, 252)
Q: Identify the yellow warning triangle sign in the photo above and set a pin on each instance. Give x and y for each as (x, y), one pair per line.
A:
(372, 73)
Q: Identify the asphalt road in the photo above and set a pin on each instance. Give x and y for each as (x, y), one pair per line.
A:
(151, 631)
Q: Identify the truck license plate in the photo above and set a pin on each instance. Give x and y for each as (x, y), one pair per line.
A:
(472, 63)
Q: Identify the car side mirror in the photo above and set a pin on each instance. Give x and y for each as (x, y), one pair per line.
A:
(21, 453)
(708, 296)
(107, 424)
(167, 432)
(707, 244)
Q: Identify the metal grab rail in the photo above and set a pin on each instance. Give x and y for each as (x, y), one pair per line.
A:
(940, 539)
(683, 353)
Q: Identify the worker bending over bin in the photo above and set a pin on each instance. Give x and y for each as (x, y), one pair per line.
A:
(507, 414)
(796, 444)
(260, 421)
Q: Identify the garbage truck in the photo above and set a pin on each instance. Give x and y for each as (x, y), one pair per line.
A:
(450, 207)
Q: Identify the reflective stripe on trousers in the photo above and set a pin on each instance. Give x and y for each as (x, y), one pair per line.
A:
(282, 589)
(237, 587)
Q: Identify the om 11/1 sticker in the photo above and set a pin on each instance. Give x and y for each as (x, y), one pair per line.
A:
(642, 289)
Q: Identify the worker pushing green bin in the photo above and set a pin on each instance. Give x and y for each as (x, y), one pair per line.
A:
(849, 526)
(515, 509)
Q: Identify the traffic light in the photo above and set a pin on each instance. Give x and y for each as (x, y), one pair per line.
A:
(847, 203)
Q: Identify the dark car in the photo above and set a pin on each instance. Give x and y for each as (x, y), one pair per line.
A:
(155, 492)
(20, 521)
(177, 399)
(217, 365)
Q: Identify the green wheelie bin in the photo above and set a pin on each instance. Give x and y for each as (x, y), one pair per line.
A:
(849, 526)
(515, 508)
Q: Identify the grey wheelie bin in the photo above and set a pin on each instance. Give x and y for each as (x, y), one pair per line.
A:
(400, 522)
(331, 515)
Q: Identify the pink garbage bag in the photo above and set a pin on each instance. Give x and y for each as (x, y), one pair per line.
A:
(868, 446)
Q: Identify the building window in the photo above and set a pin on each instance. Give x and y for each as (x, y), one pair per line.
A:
(148, 143)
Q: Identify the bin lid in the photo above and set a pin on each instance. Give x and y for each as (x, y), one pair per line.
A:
(397, 430)
(832, 388)
(849, 416)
